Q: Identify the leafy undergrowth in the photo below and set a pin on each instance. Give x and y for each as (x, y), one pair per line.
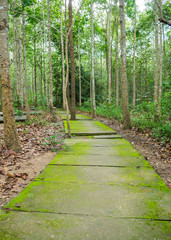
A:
(39, 138)
(143, 118)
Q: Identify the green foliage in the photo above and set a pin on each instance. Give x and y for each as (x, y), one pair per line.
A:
(18, 112)
(86, 106)
(109, 111)
(163, 131)
(54, 142)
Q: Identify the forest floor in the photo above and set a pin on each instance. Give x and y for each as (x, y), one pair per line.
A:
(40, 140)
(157, 153)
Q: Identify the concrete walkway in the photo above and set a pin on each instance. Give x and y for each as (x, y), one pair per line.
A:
(100, 188)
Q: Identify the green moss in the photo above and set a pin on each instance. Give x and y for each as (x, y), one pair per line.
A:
(61, 174)
(102, 126)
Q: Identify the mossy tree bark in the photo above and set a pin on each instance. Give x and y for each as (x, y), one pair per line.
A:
(125, 106)
(10, 132)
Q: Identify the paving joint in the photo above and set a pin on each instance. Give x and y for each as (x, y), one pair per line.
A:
(84, 165)
(86, 215)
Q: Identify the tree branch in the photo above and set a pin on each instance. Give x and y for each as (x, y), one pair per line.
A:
(165, 21)
(161, 19)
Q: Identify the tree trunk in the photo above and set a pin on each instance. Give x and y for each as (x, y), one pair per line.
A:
(109, 52)
(35, 72)
(92, 61)
(21, 83)
(79, 56)
(125, 106)
(156, 75)
(134, 82)
(161, 68)
(10, 132)
(117, 55)
(63, 62)
(72, 109)
(16, 61)
(50, 65)
(25, 67)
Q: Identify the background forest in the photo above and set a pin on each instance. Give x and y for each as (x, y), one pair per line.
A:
(39, 47)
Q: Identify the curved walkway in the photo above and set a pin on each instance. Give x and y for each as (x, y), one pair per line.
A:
(99, 188)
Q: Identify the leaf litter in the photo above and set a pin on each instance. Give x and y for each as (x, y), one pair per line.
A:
(40, 140)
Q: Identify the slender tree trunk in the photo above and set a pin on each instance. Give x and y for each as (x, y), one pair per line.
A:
(109, 52)
(117, 55)
(67, 74)
(17, 66)
(35, 73)
(161, 68)
(21, 83)
(125, 106)
(41, 73)
(50, 65)
(66, 34)
(164, 56)
(146, 79)
(10, 132)
(92, 60)
(63, 61)
(73, 109)
(79, 56)
(156, 75)
(134, 82)
(25, 67)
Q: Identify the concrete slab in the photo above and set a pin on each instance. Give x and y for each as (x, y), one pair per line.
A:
(103, 160)
(118, 147)
(94, 199)
(88, 127)
(108, 136)
(106, 175)
(42, 226)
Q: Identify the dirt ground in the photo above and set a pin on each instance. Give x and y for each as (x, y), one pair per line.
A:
(38, 143)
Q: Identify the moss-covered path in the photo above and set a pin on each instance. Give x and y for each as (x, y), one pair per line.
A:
(100, 188)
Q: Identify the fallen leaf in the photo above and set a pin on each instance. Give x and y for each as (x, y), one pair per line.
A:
(10, 174)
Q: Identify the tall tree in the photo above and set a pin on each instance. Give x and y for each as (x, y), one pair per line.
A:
(117, 53)
(72, 108)
(10, 132)
(79, 60)
(50, 65)
(134, 83)
(125, 106)
(92, 61)
(157, 68)
(63, 62)
(109, 51)
(25, 65)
